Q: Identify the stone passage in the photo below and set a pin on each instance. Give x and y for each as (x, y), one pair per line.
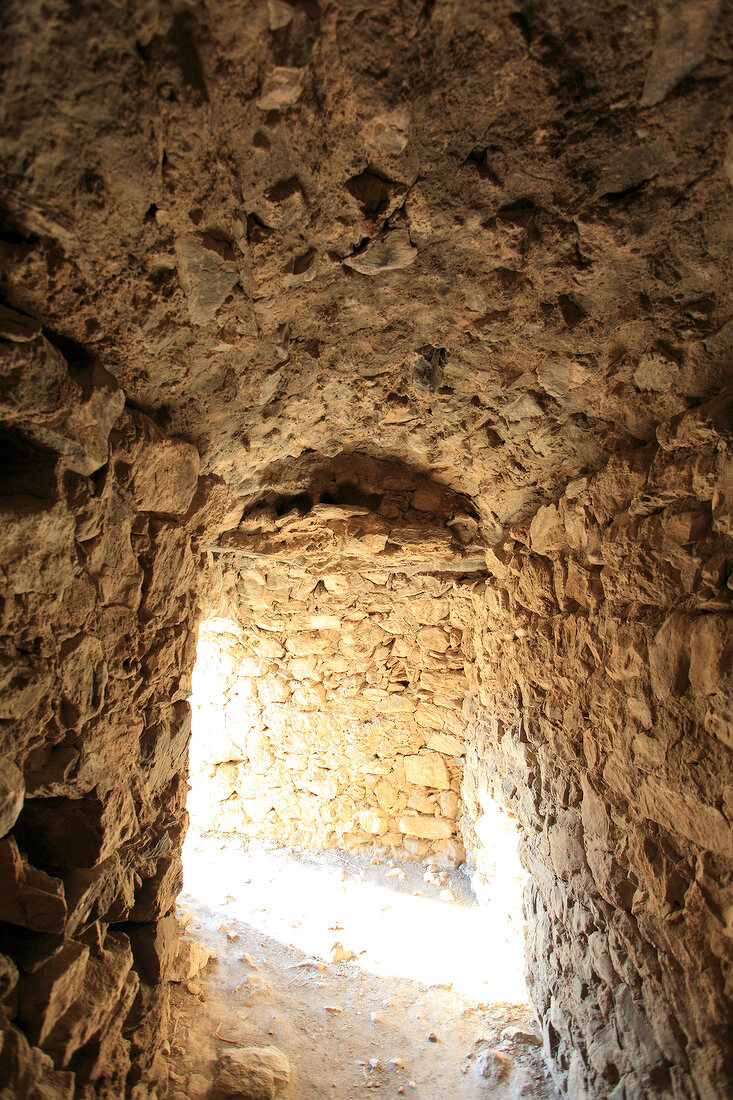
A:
(398, 337)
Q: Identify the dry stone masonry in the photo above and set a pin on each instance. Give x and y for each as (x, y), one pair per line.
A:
(395, 340)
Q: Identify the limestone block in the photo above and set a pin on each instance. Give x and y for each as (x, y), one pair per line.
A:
(669, 657)
(427, 769)
(273, 689)
(282, 87)
(387, 794)
(103, 986)
(165, 476)
(390, 253)
(157, 894)
(683, 33)
(433, 639)
(307, 644)
(711, 653)
(207, 276)
(447, 853)
(190, 960)
(546, 531)
(29, 898)
(154, 947)
(447, 744)
(430, 717)
(417, 848)
(172, 561)
(107, 890)
(424, 827)
(28, 1072)
(449, 804)
(12, 791)
(419, 800)
(680, 812)
(47, 993)
(566, 849)
(72, 417)
(372, 822)
(257, 1073)
(452, 685)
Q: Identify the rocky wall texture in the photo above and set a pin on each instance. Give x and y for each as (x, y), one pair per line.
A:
(603, 668)
(337, 245)
(101, 514)
(329, 713)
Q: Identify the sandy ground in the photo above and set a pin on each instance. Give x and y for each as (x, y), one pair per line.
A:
(434, 979)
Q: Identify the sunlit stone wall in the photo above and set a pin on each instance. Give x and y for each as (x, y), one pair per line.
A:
(330, 713)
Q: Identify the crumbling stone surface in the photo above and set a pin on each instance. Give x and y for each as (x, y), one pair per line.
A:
(97, 576)
(433, 292)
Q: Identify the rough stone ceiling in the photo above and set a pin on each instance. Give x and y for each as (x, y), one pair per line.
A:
(486, 240)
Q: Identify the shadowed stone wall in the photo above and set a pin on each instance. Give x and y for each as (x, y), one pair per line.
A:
(603, 650)
(100, 518)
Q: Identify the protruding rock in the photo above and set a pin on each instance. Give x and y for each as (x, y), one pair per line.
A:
(50, 991)
(166, 477)
(282, 87)
(428, 769)
(12, 791)
(390, 252)
(208, 275)
(190, 960)
(684, 28)
(29, 897)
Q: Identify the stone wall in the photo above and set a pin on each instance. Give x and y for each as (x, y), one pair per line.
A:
(329, 712)
(603, 658)
(101, 518)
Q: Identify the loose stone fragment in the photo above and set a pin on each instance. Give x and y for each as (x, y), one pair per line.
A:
(207, 276)
(254, 1073)
(282, 87)
(389, 253)
(190, 960)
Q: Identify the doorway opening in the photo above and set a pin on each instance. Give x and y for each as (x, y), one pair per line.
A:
(331, 792)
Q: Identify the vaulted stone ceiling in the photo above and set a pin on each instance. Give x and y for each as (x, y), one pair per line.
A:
(488, 240)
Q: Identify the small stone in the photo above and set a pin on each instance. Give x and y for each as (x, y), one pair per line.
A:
(520, 1035)
(389, 253)
(432, 1037)
(493, 1065)
(339, 953)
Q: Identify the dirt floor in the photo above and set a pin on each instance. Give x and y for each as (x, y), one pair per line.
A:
(367, 973)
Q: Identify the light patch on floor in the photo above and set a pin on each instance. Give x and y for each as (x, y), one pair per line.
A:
(363, 973)
(393, 921)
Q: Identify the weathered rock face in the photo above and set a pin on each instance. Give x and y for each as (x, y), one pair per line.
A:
(601, 681)
(98, 574)
(312, 307)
